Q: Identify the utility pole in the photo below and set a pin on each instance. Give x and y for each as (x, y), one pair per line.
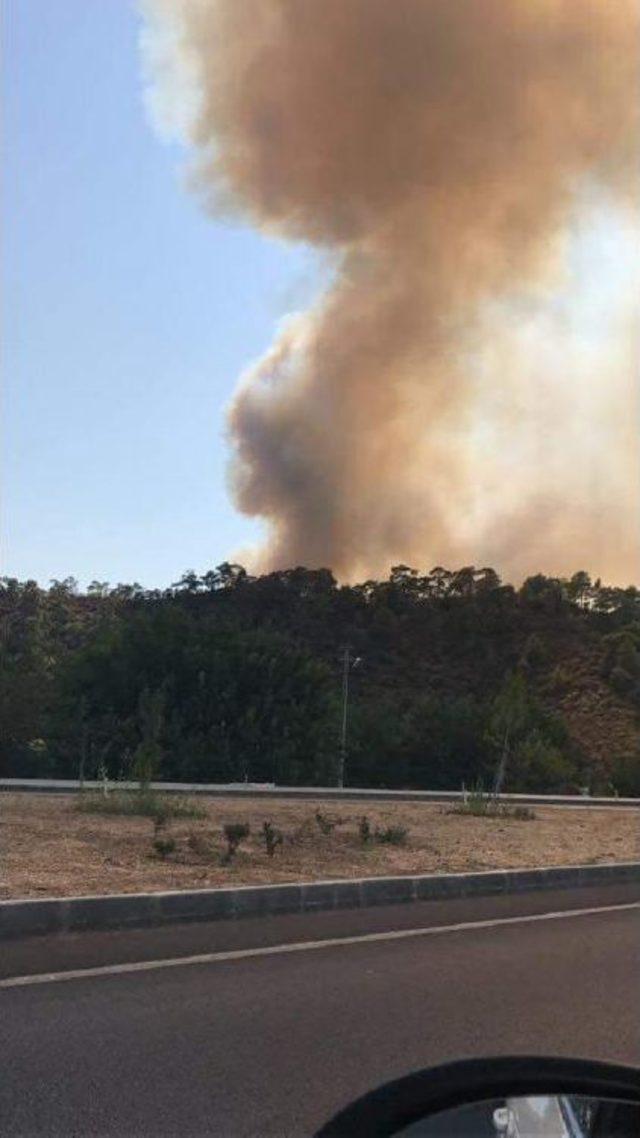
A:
(347, 665)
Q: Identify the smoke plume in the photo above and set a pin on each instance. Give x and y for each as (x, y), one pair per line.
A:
(435, 405)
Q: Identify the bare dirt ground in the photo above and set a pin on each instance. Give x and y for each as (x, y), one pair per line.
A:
(49, 849)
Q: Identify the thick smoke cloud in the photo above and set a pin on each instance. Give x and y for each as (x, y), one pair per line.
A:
(440, 150)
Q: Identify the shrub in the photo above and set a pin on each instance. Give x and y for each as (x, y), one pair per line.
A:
(392, 835)
(199, 845)
(298, 836)
(164, 846)
(234, 832)
(475, 802)
(364, 830)
(326, 825)
(272, 838)
(184, 808)
(523, 814)
(480, 805)
(161, 817)
(146, 804)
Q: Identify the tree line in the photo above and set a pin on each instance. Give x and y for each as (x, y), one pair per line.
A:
(229, 677)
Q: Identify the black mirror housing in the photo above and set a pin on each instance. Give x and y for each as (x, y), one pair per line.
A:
(396, 1105)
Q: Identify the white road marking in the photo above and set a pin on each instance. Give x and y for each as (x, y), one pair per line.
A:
(302, 946)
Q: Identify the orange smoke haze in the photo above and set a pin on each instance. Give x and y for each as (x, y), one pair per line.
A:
(431, 407)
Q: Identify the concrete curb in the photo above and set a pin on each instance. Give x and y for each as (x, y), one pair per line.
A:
(306, 793)
(135, 910)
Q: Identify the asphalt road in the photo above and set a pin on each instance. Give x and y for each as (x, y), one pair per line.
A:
(270, 1045)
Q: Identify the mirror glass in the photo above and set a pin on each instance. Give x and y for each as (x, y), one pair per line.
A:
(541, 1116)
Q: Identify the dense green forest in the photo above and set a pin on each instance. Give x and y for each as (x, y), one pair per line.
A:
(228, 677)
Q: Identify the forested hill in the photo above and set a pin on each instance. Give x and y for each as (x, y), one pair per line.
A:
(226, 677)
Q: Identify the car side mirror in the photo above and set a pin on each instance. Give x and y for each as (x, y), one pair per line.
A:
(519, 1097)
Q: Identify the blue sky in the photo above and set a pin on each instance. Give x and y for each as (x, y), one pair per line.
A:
(127, 315)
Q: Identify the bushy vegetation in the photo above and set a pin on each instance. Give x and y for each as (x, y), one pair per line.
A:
(235, 833)
(145, 804)
(204, 847)
(391, 835)
(384, 835)
(164, 845)
(225, 677)
(478, 803)
(273, 837)
(325, 824)
(364, 830)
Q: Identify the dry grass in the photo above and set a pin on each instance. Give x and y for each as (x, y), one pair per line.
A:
(49, 849)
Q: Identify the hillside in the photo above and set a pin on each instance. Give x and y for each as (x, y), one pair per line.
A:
(226, 676)
(602, 723)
